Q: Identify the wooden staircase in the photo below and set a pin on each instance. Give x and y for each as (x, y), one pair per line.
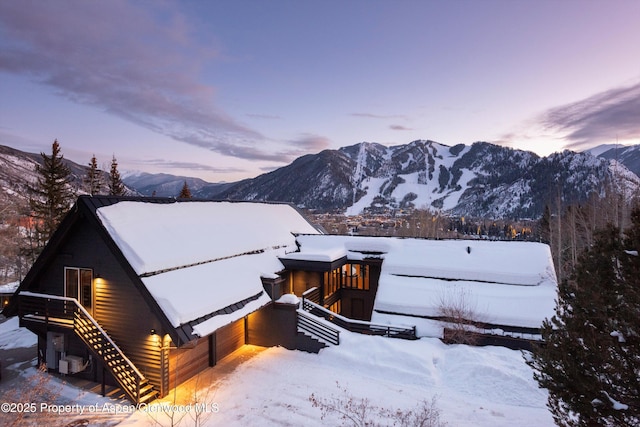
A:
(132, 382)
(67, 312)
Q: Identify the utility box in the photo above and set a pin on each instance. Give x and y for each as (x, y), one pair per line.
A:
(55, 349)
(70, 365)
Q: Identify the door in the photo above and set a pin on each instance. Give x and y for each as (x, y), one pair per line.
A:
(78, 284)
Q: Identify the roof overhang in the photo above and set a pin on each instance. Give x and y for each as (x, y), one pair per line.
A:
(312, 264)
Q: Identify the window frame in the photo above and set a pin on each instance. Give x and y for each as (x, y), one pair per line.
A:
(81, 286)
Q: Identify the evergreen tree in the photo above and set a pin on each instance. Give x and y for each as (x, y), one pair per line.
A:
(116, 187)
(94, 177)
(185, 193)
(590, 362)
(51, 197)
(544, 226)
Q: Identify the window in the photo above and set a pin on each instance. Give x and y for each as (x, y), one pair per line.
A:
(78, 285)
(350, 276)
(356, 276)
(331, 282)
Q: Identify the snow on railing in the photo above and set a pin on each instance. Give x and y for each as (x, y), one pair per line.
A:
(90, 318)
(361, 326)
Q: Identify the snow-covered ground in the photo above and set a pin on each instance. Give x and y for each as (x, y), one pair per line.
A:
(474, 386)
(11, 336)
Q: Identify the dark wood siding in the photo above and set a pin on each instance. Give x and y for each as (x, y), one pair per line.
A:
(119, 307)
(184, 363)
(131, 327)
(303, 280)
(272, 325)
(230, 338)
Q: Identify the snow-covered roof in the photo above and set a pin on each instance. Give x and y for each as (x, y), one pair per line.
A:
(506, 283)
(155, 237)
(198, 257)
(9, 288)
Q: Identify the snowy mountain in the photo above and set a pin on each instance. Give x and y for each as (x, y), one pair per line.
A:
(627, 155)
(166, 185)
(18, 171)
(483, 179)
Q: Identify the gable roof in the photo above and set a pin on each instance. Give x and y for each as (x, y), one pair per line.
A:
(198, 262)
(197, 258)
(160, 237)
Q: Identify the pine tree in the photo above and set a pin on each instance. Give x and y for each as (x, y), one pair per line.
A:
(94, 177)
(116, 187)
(590, 362)
(51, 197)
(185, 193)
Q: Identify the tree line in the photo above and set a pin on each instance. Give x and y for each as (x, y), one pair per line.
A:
(27, 224)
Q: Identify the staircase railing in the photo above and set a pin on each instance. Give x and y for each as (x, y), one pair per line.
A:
(359, 326)
(87, 328)
(318, 329)
(312, 294)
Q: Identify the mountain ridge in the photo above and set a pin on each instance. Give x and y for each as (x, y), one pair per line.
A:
(481, 179)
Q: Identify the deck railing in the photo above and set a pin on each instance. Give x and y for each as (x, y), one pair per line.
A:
(312, 294)
(359, 326)
(54, 309)
(318, 329)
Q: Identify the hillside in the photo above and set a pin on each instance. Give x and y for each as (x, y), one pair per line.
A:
(627, 155)
(166, 185)
(18, 172)
(479, 180)
(483, 179)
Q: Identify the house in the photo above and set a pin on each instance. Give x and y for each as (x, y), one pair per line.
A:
(505, 288)
(144, 293)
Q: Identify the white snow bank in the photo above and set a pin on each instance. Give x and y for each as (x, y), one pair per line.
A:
(488, 386)
(474, 386)
(189, 293)
(12, 336)
(155, 236)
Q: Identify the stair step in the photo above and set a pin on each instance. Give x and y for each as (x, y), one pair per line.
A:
(146, 398)
(140, 390)
(144, 390)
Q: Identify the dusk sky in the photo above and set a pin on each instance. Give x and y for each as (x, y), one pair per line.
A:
(229, 89)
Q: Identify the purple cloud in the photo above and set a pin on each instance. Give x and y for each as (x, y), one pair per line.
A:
(188, 165)
(264, 116)
(139, 65)
(399, 127)
(599, 118)
(377, 116)
(307, 143)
